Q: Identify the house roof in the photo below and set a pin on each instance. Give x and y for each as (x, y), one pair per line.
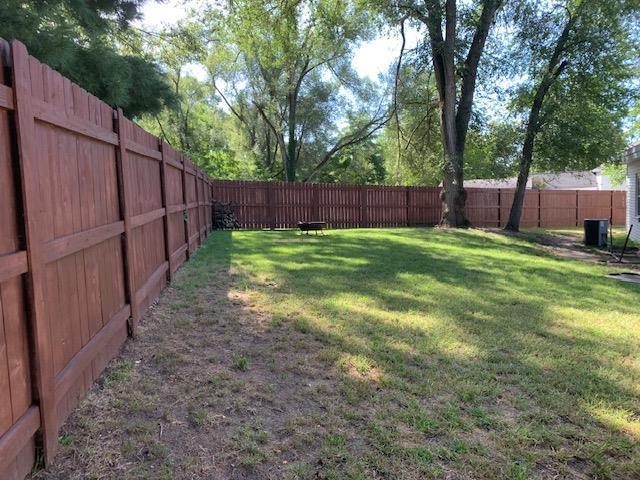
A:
(510, 182)
(573, 180)
(585, 179)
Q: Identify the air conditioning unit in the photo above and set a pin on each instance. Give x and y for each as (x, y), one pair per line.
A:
(596, 232)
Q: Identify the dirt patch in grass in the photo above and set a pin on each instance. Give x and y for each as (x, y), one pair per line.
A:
(572, 247)
(212, 388)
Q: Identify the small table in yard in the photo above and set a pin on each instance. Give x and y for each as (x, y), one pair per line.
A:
(312, 226)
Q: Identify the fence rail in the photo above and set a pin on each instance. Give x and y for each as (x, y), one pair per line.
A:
(96, 215)
(283, 205)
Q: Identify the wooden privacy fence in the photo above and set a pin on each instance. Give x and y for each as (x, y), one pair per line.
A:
(283, 205)
(96, 215)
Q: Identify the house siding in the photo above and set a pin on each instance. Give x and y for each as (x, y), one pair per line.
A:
(633, 168)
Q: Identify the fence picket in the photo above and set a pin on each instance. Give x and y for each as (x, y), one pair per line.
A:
(36, 276)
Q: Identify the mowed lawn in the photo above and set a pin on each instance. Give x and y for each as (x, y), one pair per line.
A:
(366, 354)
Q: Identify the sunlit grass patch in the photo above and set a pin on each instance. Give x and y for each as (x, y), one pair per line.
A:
(504, 359)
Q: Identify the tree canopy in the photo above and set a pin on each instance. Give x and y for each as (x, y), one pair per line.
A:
(577, 62)
(80, 39)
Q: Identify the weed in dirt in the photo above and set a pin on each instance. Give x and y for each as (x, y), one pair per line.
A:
(198, 417)
(67, 440)
(240, 362)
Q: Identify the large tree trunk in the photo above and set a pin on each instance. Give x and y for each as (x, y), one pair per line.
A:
(513, 224)
(455, 123)
(291, 153)
(553, 70)
(453, 194)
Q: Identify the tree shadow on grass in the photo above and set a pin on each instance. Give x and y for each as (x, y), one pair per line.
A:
(473, 332)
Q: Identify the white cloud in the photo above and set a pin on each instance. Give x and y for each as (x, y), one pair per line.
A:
(374, 57)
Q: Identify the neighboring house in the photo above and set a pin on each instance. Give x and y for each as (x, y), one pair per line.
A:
(491, 183)
(632, 159)
(594, 179)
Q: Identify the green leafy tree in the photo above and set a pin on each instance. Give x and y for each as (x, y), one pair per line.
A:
(282, 68)
(617, 172)
(80, 39)
(411, 141)
(456, 37)
(579, 57)
(362, 163)
(194, 123)
(492, 150)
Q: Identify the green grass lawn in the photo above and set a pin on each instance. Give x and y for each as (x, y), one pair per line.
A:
(372, 354)
(462, 352)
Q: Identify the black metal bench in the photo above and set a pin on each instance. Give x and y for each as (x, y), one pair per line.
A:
(312, 227)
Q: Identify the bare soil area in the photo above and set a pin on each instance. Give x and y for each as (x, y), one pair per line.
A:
(208, 390)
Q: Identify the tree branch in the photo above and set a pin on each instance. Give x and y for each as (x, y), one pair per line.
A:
(470, 70)
(358, 136)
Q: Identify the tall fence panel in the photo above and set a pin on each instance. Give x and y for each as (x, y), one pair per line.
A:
(483, 207)
(173, 171)
(424, 206)
(142, 189)
(593, 205)
(283, 205)
(619, 207)
(558, 208)
(19, 416)
(95, 217)
(387, 206)
(341, 205)
(192, 207)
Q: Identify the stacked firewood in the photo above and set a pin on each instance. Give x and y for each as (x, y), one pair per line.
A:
(224, 216)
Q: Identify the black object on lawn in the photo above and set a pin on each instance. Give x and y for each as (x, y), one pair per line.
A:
(312, 227)
(595, 232)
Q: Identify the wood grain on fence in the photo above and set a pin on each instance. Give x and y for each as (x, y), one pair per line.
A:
(92, 216)
(282, 205)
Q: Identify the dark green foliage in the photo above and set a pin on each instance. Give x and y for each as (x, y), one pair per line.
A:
(362, 163)
(492, 151)
(79, 39)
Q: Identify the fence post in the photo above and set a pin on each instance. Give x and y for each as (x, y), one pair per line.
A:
(271, 213)
(611, 208)
(407, 193)
(198, 178)
(41, 341)
(577, 207)
(122, 162)
(364, 214)
(315, 202)
(165, 218)
(499, 207)
(185, 215)
(539, 208)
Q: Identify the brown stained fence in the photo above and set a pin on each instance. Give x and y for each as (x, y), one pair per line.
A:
(96, 215)
(283, 205)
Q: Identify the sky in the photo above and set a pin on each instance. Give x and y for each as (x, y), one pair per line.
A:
(369, 60)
